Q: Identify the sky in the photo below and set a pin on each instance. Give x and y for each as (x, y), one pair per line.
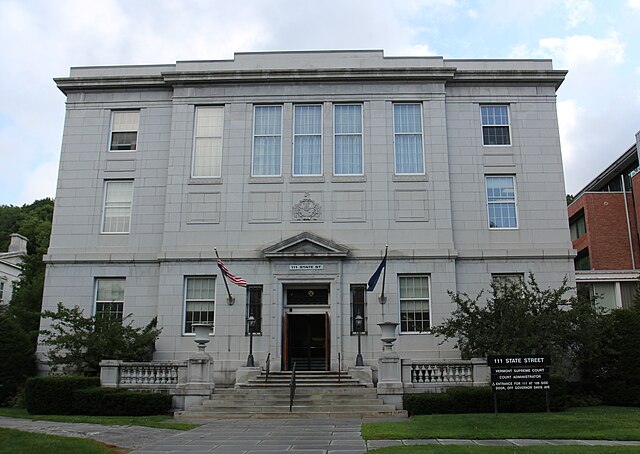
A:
(598, 42)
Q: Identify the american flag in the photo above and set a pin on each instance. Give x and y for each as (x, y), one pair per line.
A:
(235, 279)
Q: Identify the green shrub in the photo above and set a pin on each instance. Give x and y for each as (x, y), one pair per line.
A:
(621, 394)
(480, 400)
(54, 395)
(120, 402)
(16, 356)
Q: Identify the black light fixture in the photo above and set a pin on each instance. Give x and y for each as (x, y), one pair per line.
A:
(251, 322)
(359, 325)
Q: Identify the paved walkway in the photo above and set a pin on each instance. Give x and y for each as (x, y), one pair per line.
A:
(263, 436)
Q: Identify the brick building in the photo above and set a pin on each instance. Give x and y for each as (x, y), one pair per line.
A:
(299, 167)
(604, 218)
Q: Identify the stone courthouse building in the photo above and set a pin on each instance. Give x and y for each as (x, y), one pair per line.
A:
(299, 167)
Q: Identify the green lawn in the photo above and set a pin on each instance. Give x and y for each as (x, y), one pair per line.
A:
(596, 423)
(507, 450)
(18, 442)
(159, 422)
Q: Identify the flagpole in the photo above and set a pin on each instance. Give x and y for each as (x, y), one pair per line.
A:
(230, 299)
(383, 299)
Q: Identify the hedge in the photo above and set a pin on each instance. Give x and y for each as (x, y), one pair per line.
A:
(480, 400)
(83, 396)
(55, 395)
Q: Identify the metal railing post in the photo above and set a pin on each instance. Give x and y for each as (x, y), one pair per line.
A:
(292, 387)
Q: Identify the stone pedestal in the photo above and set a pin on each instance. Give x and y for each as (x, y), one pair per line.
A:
(390, 388)
(244, 374)
(109, 369)
(200, 383)
(363, 374)
(481, 372)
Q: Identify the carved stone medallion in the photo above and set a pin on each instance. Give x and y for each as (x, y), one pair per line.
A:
(306, 209)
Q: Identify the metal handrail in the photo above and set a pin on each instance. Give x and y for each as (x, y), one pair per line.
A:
(267, 365)
(339, 369)
(292, 387)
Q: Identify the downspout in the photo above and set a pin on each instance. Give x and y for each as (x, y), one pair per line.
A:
(626, 209)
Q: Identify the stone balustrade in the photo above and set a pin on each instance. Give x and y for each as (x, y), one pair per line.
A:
(142, 375)
(418, 374)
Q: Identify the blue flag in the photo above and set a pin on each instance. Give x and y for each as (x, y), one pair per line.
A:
(373, 280)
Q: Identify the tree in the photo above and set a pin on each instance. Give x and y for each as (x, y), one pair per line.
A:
(570, 199)
(33, 222)
(521, 318)
(78, 343)
(16, 356)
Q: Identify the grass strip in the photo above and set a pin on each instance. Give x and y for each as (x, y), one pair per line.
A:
(452, 449)
(18, 442)
(588, 423)
(157, 422)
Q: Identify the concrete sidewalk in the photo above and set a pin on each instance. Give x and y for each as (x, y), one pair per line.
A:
(264, 436)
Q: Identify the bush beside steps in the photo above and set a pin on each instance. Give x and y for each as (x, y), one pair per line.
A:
(70, 395)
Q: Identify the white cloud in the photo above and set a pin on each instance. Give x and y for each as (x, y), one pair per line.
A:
(579, 50)
(579, 12)
(568, 121)
(634, 4)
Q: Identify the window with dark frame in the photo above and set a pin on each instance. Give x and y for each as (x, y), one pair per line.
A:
(582, 261)
(495, 125)
(199, 301)
(254, 308)
(358, 306)
(109, 298)
(415, 303)
(124, 130)
(577, 227)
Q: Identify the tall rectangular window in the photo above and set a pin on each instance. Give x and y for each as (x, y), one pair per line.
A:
(254, 307)
(199, 301)
(307, 140)
(116, 213)
(109, 298)
(358, 306)
(207, 143)
(267, 141)
(577, 227)
(407, 128)
(124, 130)
(1, 291)
(501, 202)
(495, 125)
(347, 140)
(414, 304)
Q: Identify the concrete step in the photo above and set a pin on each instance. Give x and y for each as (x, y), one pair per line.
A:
(290, 415)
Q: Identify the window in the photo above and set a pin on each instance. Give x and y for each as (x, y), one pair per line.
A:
(502, 281)
(347, 141)
(124, 130)
(307, 140)
(118, 196)
(358, 306)
(1, 291)
(414, 304)
(495, 125)
(199, 301)
(407, 128)
(582, 262)
(254, 307)
(267, 140)
(207, 143)
(578, 227)
(501, 202)
(109, 298)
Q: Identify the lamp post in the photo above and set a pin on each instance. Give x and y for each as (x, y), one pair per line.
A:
(359, 325)
(251, 321)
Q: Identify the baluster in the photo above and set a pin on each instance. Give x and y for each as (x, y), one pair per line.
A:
(413, 374)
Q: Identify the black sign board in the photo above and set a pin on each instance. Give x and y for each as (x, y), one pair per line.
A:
(519, 373)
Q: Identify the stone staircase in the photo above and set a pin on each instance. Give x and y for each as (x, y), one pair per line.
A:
(317, 395)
